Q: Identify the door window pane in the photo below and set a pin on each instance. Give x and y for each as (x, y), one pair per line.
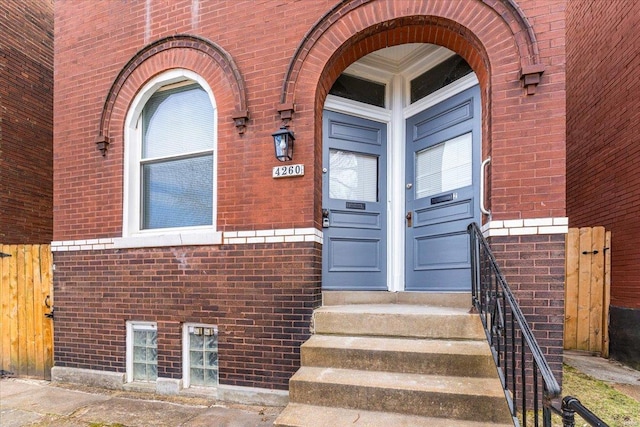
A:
(444, 167)
(353, 176)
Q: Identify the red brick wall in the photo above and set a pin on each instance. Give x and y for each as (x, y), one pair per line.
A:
(260, 297)
(525, 135)
(534, 267)
(603, 133)
(26, 121)
(87, 66)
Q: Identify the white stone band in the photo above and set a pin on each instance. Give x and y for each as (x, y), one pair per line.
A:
(289, 235)
(526, 227)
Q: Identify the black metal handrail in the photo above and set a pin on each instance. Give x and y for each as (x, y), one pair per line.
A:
(527, 379)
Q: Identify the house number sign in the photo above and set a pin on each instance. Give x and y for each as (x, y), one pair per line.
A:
(288, 171)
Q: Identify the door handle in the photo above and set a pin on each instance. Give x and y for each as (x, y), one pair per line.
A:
(483, 209)
(325, 218)
(48, 305)
(409, 219)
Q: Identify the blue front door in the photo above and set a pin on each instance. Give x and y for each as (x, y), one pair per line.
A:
(442, 173)
(354, 192)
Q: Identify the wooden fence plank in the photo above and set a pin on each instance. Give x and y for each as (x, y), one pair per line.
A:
(38, 312)
(23, 287)
(29, 304)
(13, 310)
(46, 271)
(571, 288)
(607, 295)
(584, 300)
(597, 285)
(5, 334)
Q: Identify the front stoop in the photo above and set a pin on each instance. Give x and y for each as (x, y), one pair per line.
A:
(395, 365)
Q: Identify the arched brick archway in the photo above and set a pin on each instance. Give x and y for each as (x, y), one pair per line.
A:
(411, 29)
(479, 17)
(187, 51)
(493, 36)
(218, 70)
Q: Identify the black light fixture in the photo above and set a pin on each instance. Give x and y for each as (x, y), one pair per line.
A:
(283, 143)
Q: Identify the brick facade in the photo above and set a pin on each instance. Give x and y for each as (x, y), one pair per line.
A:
(98, 287)
(261, 307)
(534, 266)
(603, 148)
(26, 122)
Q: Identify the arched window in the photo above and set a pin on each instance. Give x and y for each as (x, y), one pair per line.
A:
(170, 156)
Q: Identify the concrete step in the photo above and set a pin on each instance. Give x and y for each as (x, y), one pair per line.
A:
(458, 398)
(399, 320)
(405, 355)
(434, 299)
(300, 415)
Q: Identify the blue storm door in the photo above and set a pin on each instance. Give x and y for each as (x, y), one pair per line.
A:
(442, 196)
(354, 249)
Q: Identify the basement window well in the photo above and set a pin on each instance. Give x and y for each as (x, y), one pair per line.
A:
(200, 355)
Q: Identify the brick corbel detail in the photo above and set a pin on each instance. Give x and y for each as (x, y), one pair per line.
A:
(286, 113)
(102, 142)
(240, 119)
(530, 76)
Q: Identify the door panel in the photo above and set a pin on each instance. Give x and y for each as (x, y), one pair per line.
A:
(443, 145)
(354, 193)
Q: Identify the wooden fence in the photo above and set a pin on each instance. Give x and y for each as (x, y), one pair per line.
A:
(587, 290)
(26, 299)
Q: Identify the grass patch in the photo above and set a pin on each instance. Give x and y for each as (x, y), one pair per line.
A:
(611, 406)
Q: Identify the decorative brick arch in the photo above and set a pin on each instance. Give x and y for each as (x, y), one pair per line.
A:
(171, 48)
(457, 26)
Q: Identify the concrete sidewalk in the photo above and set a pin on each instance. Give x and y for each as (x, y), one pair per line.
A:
(620, 377)
(25, 402)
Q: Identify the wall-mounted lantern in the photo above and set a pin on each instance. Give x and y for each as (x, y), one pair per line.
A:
(283, 142)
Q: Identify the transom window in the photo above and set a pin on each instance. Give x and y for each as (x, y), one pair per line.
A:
(358, 89)
(443, 74)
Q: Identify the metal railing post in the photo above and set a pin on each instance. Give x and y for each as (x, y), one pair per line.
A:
(568, 414)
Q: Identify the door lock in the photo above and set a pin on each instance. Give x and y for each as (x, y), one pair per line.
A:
(325, 218)
(409, 219)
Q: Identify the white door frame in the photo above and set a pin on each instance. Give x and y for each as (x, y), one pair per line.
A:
(397, 95)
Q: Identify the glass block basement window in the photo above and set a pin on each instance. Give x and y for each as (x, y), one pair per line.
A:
(203, 355)
(145, 353)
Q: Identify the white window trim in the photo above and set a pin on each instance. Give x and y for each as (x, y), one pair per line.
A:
(132, 235)
(135, 326)
(186, 356)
